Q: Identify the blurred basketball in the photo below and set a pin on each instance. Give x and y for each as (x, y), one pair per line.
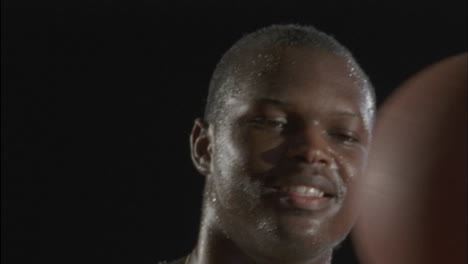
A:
(415, 196)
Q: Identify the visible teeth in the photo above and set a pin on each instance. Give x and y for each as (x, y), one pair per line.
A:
(306, 191)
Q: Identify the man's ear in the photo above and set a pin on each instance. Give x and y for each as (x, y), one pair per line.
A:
(200, 145)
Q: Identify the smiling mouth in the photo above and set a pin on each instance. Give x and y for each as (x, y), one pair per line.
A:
(308, 192)
(304, 197)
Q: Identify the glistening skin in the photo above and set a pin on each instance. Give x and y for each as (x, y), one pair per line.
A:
(283, 161)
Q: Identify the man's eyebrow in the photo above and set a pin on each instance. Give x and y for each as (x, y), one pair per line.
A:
(271, 100)
(281, 102)
(345, 113)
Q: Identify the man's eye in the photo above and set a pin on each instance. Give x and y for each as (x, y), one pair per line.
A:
(269, 123)
(344, 137)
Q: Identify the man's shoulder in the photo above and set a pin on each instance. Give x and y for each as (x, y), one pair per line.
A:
(178, 261)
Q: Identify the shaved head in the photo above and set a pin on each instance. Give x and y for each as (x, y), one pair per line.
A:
(259, 53)
(283, 143)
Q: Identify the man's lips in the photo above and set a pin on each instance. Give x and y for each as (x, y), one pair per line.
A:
(311, 189)
(302, 197)
(304, 191)
(307, 184)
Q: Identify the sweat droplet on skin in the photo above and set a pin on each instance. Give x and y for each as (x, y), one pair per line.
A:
(314, 226)
(367, 111)
(266, 225)
(333, 165)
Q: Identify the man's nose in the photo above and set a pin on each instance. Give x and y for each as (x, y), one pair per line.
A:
(309, 146)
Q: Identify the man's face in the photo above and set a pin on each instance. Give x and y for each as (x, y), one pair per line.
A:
(287, 154)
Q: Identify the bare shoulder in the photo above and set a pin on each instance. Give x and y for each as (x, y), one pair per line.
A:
(179, 261)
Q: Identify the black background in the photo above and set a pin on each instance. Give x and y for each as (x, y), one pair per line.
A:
(98, 100)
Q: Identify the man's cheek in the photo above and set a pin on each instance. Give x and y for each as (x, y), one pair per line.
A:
(353, 165)
(264, 154)
(228, 148)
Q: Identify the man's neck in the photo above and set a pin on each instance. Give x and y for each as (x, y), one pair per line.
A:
(215, 247)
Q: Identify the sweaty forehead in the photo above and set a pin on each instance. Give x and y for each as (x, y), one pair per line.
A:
(294, 70)
(307, 77)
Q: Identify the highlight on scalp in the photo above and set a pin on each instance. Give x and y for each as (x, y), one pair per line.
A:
(226, 75)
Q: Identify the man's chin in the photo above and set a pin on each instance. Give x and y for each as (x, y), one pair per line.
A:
(300, 239)
(299, 229)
